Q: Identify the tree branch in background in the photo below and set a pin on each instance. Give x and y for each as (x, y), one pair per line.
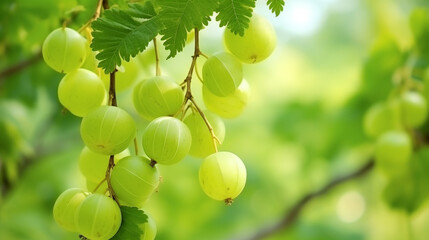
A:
(292, 214)
(20, 66)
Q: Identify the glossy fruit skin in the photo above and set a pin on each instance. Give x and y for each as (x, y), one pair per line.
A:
(134, 180)
(156, 97)
(98, 217)
(202, 141)
(107, 130)
(230, 106)
(65, 208)
(93, 165)
(413, 109)
(257, 43)
(392, 153)
(64, 50)
(149, 228)
(222, 176)
(81, 91)
(222, 74)
(382, 117)
(166, 140)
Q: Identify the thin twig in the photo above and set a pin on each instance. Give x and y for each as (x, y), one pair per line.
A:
(292, 214)
(136, 148)
(98, 185)
(94, 17)
(198, 74)
(188, 95)
(209, 126)
(112, 89)
(20, 66)
(109, 183)
(158, 68)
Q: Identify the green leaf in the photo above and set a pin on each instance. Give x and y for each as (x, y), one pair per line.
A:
(132, 220)
(235, 14)
(181, 16)
(276, 6)
(145, 11)
(118, 35)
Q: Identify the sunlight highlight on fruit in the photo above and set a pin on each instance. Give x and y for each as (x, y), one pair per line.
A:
(64, 50)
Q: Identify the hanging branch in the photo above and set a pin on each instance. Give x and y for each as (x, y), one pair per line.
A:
(292, 214)
(188, 94)
(20, 66)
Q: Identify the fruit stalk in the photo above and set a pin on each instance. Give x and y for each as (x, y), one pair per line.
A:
(188, 95)
(158, 68)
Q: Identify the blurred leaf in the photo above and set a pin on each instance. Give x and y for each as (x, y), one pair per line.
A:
(419, 22)
(379, 68)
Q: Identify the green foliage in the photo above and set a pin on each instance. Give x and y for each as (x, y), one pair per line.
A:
(379, 68)
(180, 17)
(409, 191)
(132, 220)
(235, 14)
(419, 22)
(118, 35)
(276, 6)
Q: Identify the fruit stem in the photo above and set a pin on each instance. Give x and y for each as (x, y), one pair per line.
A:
(136, 148)
(81, 237)
(94, 17)
(187, 84)
(198, 74)
(112, 90)
(152, 163)
(98, 185)
(229, 201)
(109, 183)
(209, 126)
(158, 68)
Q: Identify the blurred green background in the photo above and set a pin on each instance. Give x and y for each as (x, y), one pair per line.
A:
(301, 128)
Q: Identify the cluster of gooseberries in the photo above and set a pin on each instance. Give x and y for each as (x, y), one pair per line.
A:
(114, 177)
(393, 123)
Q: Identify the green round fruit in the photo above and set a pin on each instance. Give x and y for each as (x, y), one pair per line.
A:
(93, 165)
(134, 180)
(81, 91)
(149, 229)
(414, 109)
(202, 141)
(222, 74)
(166, 140)
(382, 117)
(230, 106)
(257, 43)
(107, 130)
(65, 208)
(156, 97)
(98, 217)
(222, 176)
(64, 50)
(393, 151)
(91, 63)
